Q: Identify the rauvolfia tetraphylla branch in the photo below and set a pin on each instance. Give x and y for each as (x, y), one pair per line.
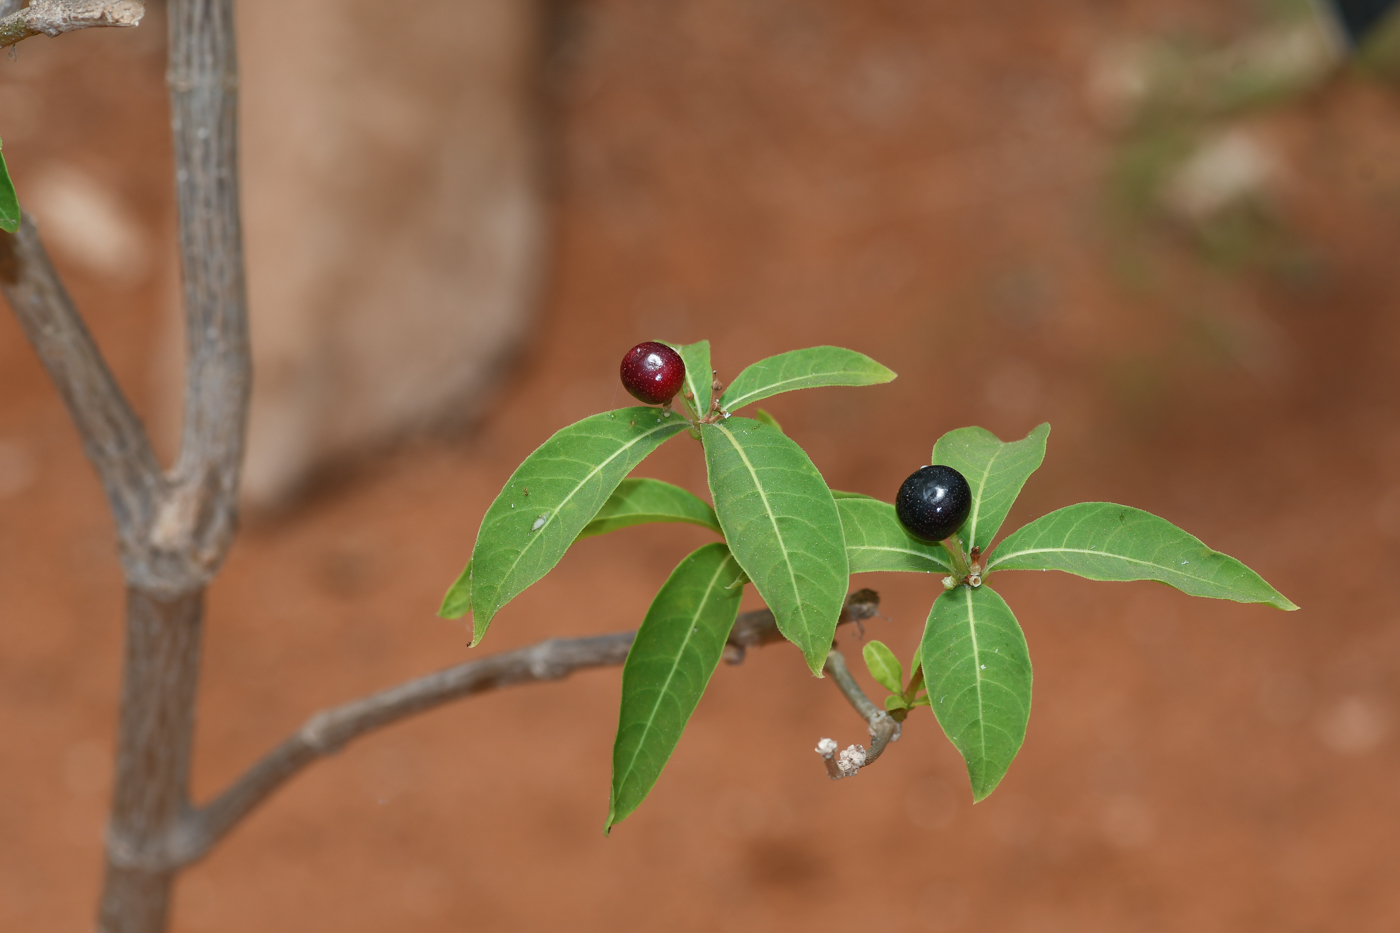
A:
(882, 726)
(330, 730)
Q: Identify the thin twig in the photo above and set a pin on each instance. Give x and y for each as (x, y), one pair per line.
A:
(55, 17)
(112, 435)
(883, 728)
(330, 730)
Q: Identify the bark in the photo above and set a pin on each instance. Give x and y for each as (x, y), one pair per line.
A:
(153, 758)
(55, 17)
(184, 543)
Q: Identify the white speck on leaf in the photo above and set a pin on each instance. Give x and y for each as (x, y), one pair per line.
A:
(984, 667)
(539, 522)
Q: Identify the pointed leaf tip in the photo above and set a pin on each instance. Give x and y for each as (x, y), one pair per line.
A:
(977, 670)
(551, 498)
(996, 471)
(1104, 541)
(802, 369)
(783, 525)
(677, 649)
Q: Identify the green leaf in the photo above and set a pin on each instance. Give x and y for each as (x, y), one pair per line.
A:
(838, 494)
(995, 470)
(1103, 541)
(551, 497)
(802, 369)
(760, 415)
(978, 673)
(781, 522)
(676, 650)
(875, 540)
(699, 375)
(458, 601)
(883, 666)
(9, 204)
(639, 501)
(894, 701)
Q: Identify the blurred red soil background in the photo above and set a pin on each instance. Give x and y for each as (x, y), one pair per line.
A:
(930, 184)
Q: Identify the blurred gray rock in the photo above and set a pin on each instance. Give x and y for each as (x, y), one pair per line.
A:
(394, 218)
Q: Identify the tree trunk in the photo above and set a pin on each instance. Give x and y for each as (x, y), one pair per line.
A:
(153, 758)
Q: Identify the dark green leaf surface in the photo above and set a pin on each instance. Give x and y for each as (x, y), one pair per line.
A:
(641, 501)
(883, 666)
(699, 374)
(783, 527)
(551, 497)
(676, 650)
(1103, 541)
(802, 369)
(995, 470)
(875, 539)
(9, 205)
(978, 674)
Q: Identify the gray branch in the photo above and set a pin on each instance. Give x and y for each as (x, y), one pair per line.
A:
(112, 435)
(55, 17)
(330, 730)
(882, 726)
(198, 517)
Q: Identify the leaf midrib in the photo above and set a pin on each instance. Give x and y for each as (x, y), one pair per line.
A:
(536, 534)
(977, 672)
(981, 490)
(675, 666)
(743, 399)
(1000, 558)
(773, 519)
(896, 550)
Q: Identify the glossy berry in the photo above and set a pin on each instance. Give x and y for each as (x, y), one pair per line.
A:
(652, 372)
(933, 502)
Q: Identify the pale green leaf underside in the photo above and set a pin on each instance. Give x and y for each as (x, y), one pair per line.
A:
(1103, 541)
(699, 374)
(802, 369)
(767, 418)
(994, 469)
(676, 651)
(9, 204)
(782, 524)
(458, 601)
(978, 674)
(641, 501)
(883, 665)
(551, 497)
(876, 541)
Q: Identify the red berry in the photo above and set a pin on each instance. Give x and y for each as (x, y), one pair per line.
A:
(652, 372)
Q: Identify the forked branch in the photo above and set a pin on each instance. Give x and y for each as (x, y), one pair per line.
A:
(330, 730)
(55, 17)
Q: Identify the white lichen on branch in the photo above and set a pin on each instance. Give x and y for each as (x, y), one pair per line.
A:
(55, 17)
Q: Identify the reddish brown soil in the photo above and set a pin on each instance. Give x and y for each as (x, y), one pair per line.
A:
(923, 182)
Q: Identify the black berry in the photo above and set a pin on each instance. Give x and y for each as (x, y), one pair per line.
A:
(933, 502)
(652, 372)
